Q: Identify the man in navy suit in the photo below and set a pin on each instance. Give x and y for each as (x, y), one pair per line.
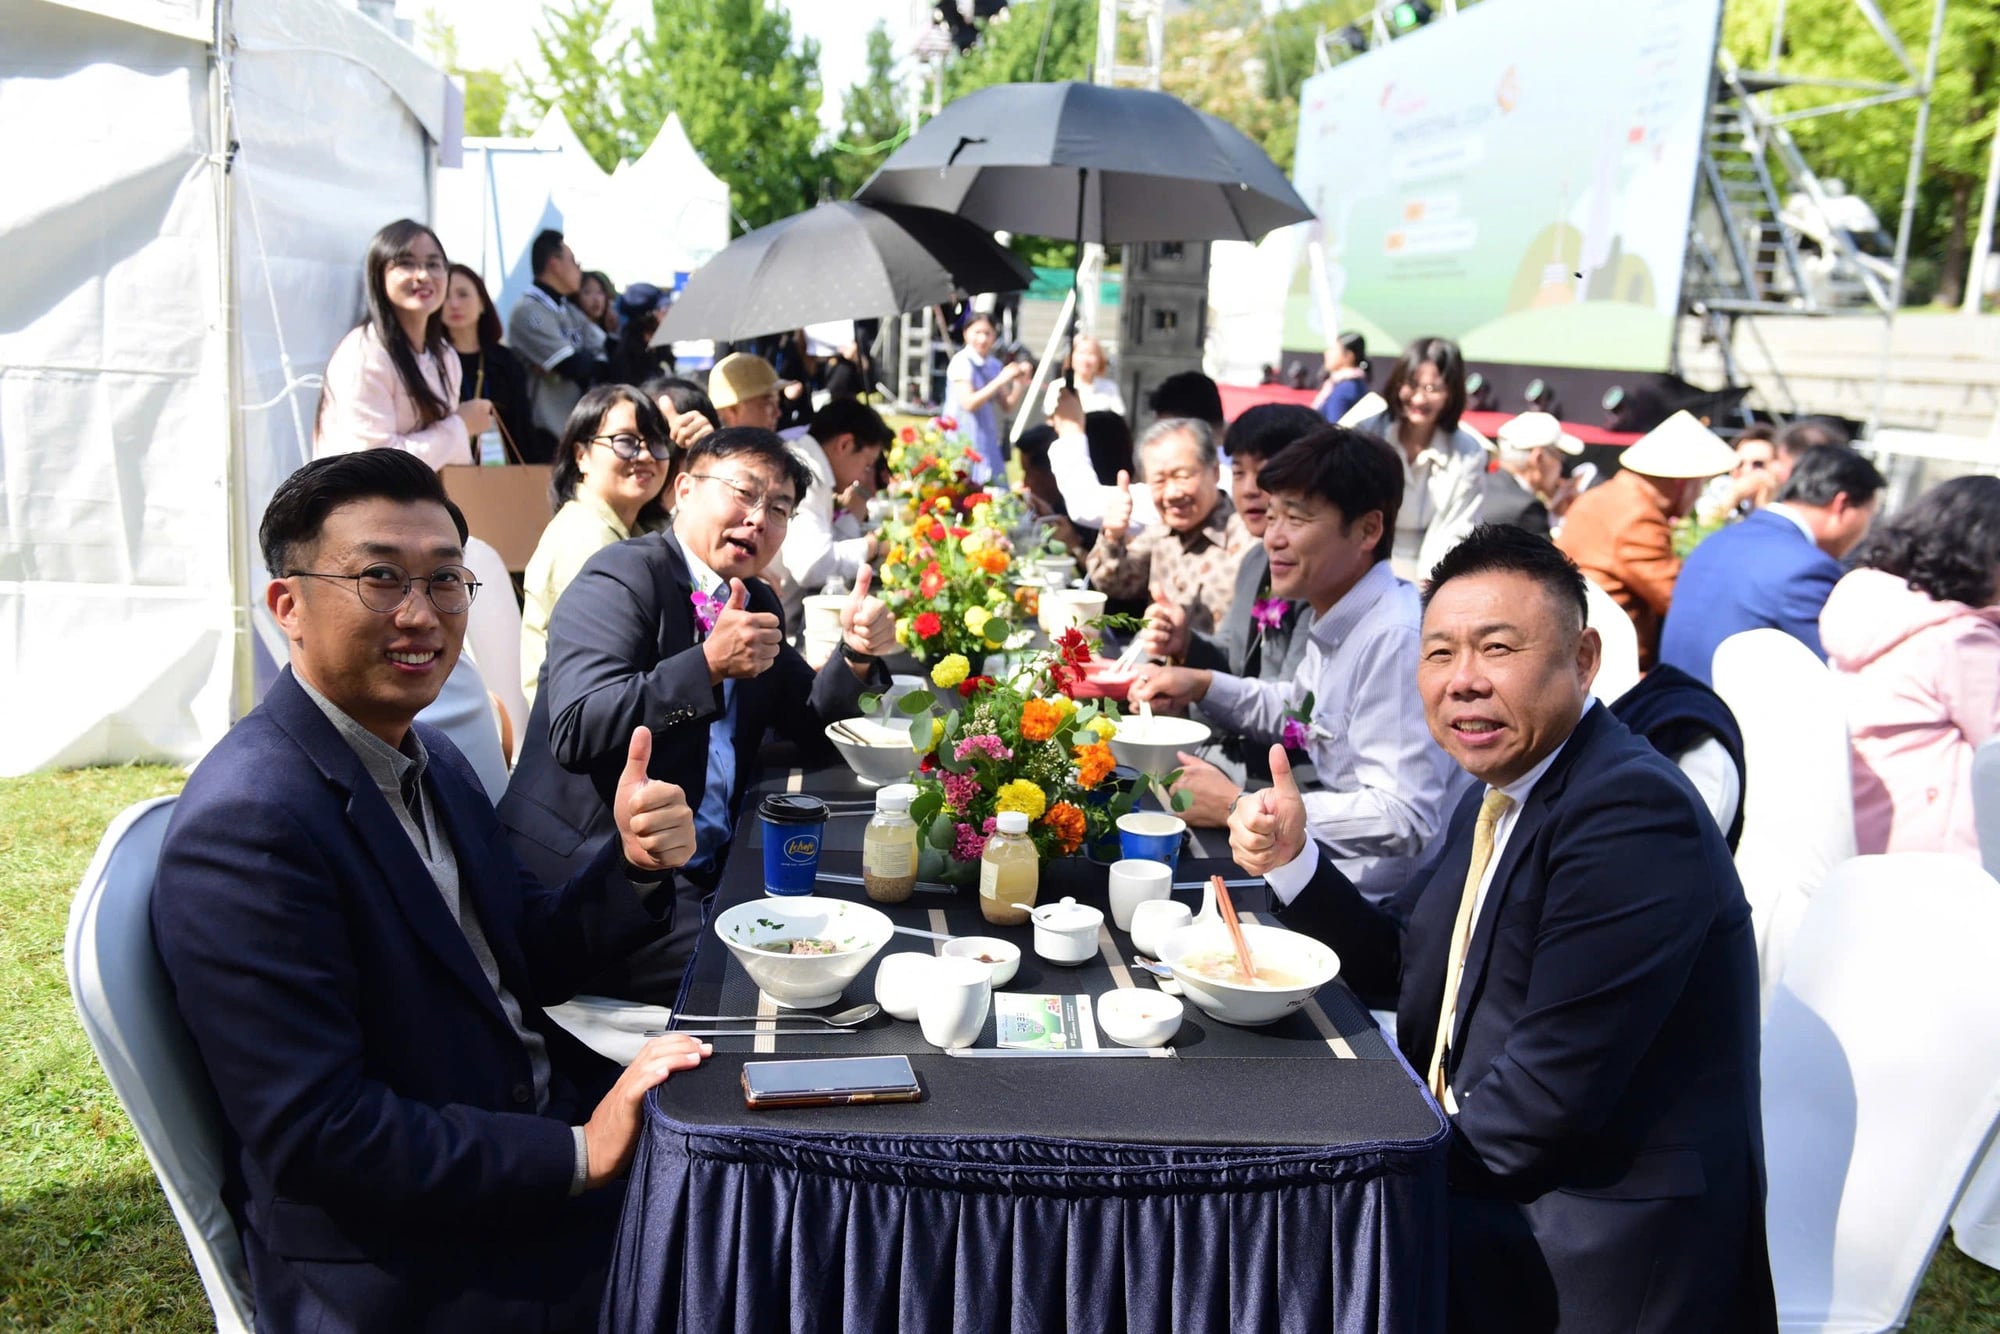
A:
(1577, 978)
(363, 963)
(676, 632)
(1777, 566)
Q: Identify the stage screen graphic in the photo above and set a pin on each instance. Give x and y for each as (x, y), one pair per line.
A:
(1518, 178)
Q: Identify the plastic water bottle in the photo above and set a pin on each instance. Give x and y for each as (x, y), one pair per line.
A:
(492, 450)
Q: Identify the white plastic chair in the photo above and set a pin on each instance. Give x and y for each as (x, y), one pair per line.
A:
(1986, 803)
(127, 1006)
(1798, 798)
(1618, 664)
(1976, 1225)
(493, 633)
(1872, 1122)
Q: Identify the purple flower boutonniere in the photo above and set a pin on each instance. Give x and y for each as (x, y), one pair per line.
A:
(1269, 613)
(706, 610)
(1299, 729)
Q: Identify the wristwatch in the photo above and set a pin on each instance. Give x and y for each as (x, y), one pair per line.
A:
(848, 654)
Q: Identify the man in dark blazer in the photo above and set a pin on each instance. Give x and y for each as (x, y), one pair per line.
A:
(363, 964)
(1577, 978)
(675, 631)
(1776, 567)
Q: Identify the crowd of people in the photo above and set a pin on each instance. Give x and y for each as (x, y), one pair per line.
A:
(1391, 621)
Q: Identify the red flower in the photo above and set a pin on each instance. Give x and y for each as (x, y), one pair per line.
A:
(932, 580)
(927, 461)
(960, 533)
(976, 498)
(936, 533)
(1074, 647)
(972, 685)
(929, 763)
(928, 625)
(947, 423)
(909, 435)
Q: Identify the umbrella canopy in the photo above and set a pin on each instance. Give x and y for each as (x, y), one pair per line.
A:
(1148, 167)
(835, 262)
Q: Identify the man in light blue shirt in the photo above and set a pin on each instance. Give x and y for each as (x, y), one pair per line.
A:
(1351, 705)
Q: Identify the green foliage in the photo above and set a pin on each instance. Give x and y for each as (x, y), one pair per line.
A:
(571, 48)
(486, 90)
(871, 124)
(1010, 44)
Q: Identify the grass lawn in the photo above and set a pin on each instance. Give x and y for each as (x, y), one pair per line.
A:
(86, 1240)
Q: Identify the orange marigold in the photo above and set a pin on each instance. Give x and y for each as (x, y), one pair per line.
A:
(1039, 720)
(1066, 822)
(992, 560)
(1093, 764)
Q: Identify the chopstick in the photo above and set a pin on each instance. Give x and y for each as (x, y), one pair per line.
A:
(927, 935)
(1229, 919)
(1157, 1053)
(923, 886)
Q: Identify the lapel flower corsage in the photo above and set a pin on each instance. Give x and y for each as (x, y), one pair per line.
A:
(1299, 730)
(1269, 613)
(706, 610)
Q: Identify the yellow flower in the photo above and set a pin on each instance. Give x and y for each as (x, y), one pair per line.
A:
(937, 735)
(895, 556)
(952, 670)
(1023, 796)
(1104, 727)
(1063, 705)
(982, 514)
(975, 621)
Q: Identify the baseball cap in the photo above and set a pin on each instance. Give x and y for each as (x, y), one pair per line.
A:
(1537, 430)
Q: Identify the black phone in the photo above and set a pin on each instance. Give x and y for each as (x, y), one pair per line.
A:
(832, 1082)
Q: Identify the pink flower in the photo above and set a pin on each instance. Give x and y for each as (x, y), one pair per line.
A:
(1297, 735)
(706, 610)
(984, 744)
(961, 789)
(970, 844)
(1269, 612)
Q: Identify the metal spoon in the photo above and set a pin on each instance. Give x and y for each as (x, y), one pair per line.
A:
(860, 1014)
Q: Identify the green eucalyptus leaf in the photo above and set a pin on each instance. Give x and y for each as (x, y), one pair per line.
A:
(942, 835)
(914, 703)
(1183, 800)
(870, 701)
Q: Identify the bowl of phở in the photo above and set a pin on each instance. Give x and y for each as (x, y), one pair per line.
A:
(1290, 968)
(1152, 745)
(802, 952)
(878, 752)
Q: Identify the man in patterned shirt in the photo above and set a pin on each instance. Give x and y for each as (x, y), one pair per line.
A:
(1189, 558)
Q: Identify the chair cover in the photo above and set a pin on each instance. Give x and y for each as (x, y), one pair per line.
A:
(1986, 803)
(1798, 806)
(1618, 667)
(1872, 1122)
(1976, 1225)
(127, 1006)
(614, 1029)
(493, 632)
(464, 713)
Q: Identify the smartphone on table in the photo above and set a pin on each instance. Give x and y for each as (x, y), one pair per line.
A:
(831, 1082)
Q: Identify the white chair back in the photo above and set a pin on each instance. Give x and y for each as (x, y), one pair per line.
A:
(127, 1006)
(1618, 667)
(1986, 803)
(1976, 1225)
(1798, 798)
(493, 632)
(1872, 1122)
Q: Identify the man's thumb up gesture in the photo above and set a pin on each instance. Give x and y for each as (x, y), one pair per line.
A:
(1118, 507)
(1267, 829)
(655, 823)
(866, 622)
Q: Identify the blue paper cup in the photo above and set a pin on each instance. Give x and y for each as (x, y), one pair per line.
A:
(792, 827)
(1152, 836)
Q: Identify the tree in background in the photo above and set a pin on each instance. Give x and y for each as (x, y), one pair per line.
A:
(485, 89)
(871, 121)
(578, 50)
(748, 98)
(1869, 149)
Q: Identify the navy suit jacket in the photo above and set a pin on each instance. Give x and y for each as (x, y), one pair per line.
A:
(1760, 572)
(625, 650)
(1606, 1167)
(391, 1170)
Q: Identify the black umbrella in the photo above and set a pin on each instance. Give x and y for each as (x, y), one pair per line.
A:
(839, 261)
(1110, 165)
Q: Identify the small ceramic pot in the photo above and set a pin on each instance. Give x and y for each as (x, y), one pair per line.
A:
(1066, 932)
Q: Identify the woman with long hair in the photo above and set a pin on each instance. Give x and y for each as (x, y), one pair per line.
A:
(1346, 381)
(393, 382)
(611, 464)
(487, 368)
(1913, 636)
(1442, 461)
(597, 299)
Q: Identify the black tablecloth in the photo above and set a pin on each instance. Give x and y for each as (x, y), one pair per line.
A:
(1288, 1178)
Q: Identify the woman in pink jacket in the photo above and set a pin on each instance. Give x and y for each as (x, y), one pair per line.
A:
(393, 381)
(1913, 637)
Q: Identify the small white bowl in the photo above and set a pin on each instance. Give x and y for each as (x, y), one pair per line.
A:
(803, 981)
(1003, 955)
(1150, 744)
(883, 754)
(1311, 961)
(1139, 1016)
(901, 980)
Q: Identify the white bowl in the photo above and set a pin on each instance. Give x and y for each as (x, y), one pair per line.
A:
(803, 981)
(1309, 960)
(1139, 1016)
(883, 754)
(1003, 955)
(1149, 744)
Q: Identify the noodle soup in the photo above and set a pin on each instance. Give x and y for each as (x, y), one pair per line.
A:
(1221, 966)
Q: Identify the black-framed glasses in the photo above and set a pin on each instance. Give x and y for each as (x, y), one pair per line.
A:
(780, 509)
(627, 446)
(384, 588)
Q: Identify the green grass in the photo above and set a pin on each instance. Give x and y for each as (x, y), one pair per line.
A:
(86, 1239)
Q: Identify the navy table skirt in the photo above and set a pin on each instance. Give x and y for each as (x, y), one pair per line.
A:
(1283, 1179)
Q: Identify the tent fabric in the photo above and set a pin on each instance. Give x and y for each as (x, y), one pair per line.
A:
(127, 350)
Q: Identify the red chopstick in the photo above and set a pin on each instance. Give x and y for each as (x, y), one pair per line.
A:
(1228, 911)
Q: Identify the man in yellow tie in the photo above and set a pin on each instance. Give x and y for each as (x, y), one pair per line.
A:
(1575, 976)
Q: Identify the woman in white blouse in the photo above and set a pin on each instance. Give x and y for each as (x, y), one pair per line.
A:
(1095, 388)
(393, 381)
(1442, 461)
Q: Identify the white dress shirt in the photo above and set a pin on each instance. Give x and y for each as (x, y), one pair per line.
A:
(1383, 781)
(812, 552)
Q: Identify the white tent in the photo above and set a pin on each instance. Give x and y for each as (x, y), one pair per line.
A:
(649, 221)
(192, 184)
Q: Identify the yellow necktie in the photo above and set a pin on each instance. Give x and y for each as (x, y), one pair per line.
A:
(1491, 809)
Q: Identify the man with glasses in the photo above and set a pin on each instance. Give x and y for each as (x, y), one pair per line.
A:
(1189, 558)
(675, 631)
(363, 965)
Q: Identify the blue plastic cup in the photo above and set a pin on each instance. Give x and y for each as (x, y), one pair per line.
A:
(1152, 836)
(793, 824)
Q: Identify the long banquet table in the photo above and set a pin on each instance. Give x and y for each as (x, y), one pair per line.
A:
(1286, 1178)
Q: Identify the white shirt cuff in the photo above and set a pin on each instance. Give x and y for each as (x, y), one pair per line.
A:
(1289, 880)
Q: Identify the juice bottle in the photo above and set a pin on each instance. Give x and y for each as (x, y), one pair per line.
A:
(1009, 872)
(889, 847)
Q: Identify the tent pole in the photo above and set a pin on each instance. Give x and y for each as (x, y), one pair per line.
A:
(1034, 394)
(243, 683)
(1076, 281)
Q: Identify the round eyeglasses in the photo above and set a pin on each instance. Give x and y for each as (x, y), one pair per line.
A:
(385, 588)
(627, 446)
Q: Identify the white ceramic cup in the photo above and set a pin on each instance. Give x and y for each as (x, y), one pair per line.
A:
(957, 994)
(900, 982)
(1134, 882)
(1156, 919)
